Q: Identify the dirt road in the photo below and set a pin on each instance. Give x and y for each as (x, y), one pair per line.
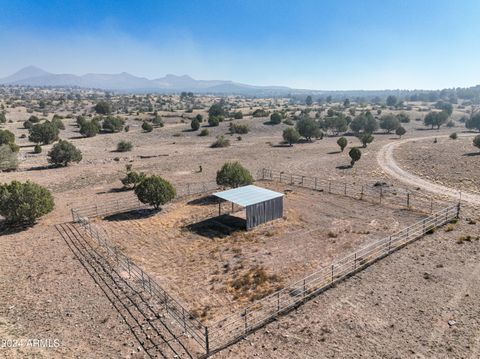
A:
(387, 162)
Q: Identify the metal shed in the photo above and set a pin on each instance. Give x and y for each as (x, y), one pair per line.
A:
(261, 204)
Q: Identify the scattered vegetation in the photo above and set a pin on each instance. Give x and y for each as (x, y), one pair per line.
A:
(233, 174)
(155, 191)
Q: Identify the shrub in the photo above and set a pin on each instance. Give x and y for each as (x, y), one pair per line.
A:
(57, 121)
(113, 124)
(450, 124)
(132, 179)
(473, 123)
(127, 128)
(366, 138)
(355, 155)
(342, 142)
(216, 110)
(3, 119)
(199, 118)
(155, 191)
(124, 146)
(454, 136)
(291, 135)
(237, 128)
(63, 153)
(400, 131)
(34, 119)
(157, 121)
(308, 128)
(403, 117)
(89, 128)
(213, 121)
(45, 133)
(260, 113)
(37, 149)
(476, 141)
(238, 115)
(6, 137)
(233, 174)
(80, 120)
(195, 124)
(288, 122)
(27, 125)
(8, 158)
(24, 203)
(275, 118)
(147, 127)
(204, 132)
(103, 108)
(435, 119)
(389, 123)
(220, 142)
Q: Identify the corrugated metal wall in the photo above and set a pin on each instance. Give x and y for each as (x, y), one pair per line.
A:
(263, 212)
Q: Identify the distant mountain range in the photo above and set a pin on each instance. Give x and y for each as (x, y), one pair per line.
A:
(125, 82)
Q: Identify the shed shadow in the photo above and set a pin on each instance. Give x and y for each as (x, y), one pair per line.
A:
(218, 227)
(204, 201)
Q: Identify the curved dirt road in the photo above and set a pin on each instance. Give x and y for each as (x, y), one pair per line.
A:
(387, 162)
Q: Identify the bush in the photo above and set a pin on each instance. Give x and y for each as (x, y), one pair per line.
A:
(450, 124)
(195, 124)
(238, 115)
(220, 142)
(213, 121)
(132, 179)
(57, 121)
(124, 146)
(34, 119)
(63, 153)
(275, 118)
(288, 122)
(37, 149)
(103, 108)
(355, 155)
(476, 141)
(473, 123)
(400, 131)
(308, 128)
(454, 136)
(24, 203)
(233, 174)
(80, 121)
(199, 118)
(157, 121)
(6, 137)
(389, 123)
(342, 142)
(403, 117)
(45, 133)
(366, 138)
(8, 158)
(237, 128)
(216, 110)
(155, 191)
(147, 127)
(291, 135)
(204, 132)
(89, 128)
(113, 124)
(260, 113)
(3, 119)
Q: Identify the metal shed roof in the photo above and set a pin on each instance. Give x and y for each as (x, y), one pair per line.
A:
(248, 195)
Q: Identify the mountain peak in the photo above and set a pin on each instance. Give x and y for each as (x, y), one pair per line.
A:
(26, 73)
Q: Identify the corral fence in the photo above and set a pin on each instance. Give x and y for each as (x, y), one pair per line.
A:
(236, 326)
(379, 194)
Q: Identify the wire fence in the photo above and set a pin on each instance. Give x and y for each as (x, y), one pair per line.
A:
(376, 194)
(236, 326)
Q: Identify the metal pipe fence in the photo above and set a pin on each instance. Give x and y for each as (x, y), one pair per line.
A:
(236, 326)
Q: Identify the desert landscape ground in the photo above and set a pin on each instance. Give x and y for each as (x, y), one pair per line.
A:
(418, 302)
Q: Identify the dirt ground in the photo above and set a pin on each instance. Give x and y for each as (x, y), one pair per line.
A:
(399, 307)
(454, 163)
(197, 262)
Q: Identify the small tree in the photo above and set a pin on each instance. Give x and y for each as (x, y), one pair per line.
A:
(133, 179)
(435, 119)
(37, 149)
(157, 121)
(195, 124)
(103, 108)
(473, 123)
(220, 142)
(389, 123)
(366, 138)
(147, 127)
(8, 158)
(45, 133)
(275, 118)
(400, 131)
(403, 117)
(63, 153)
(124, 146)
(308, 128)
(342, 142)
(6, 137)
(309, 101)
(204, 132)
(291, 135)
(3, 119)
(89, 128)
(454, 136)
(391, 100)
(233, 174)
(24, 203)
(199, 118)
(355, 155)
(113, 124)
(155, 191)
(238, 115)
(216, 110)
(476, 141)
(213, 121)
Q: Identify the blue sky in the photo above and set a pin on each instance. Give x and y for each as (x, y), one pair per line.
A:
(363, 44)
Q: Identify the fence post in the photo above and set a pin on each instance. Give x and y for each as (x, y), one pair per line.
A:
(345, 189)
(458, 210)
(361, 194)
(431, 205)
(278, 301)
(381, 194)
(263, 173)
(423, 232)
(329, 186)
(355, 262)
(304, 290)
(389, 244)
(315, 183)
(408, 199)
(245, 315)
(291, 179)
(207, 344)
(73, 216)
(332, 273)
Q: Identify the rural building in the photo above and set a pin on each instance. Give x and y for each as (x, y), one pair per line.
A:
(262, 205)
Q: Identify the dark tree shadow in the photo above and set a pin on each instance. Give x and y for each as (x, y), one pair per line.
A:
(41, 168)
(218, 227)
(204, 201)
(471, 154)
(132, 214)
(282, 145)
(76, 137)
(116, 190)
(6, 229)
(344, 167)
(333, 152)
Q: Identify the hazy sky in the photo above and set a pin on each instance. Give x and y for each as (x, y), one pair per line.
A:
(331, 44)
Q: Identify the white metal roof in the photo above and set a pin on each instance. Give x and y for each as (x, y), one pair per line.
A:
(248, 195)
